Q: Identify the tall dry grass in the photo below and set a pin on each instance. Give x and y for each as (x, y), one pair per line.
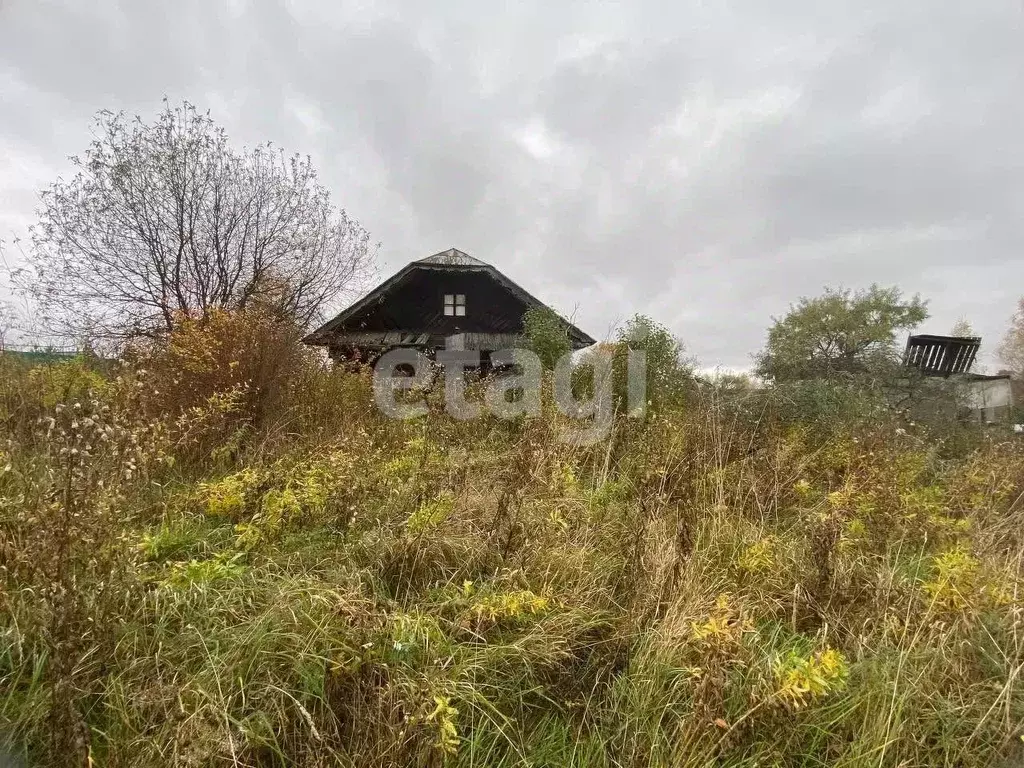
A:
(240, 563)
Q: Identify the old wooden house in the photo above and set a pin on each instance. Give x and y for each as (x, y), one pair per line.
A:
(448, 300)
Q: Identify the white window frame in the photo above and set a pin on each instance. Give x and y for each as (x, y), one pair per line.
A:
(455, 305)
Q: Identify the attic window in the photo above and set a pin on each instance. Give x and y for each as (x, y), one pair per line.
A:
(454, 305)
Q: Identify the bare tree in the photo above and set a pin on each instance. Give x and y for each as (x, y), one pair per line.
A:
(166, 220)
(1011, 350)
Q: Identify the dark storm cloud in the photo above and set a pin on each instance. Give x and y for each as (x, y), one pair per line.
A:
(703, 165)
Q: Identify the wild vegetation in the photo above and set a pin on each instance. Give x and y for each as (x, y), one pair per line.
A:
(217, 552)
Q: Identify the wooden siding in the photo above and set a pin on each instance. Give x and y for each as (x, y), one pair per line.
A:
(416, 306)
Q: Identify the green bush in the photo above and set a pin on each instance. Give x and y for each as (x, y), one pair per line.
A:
(547, 335)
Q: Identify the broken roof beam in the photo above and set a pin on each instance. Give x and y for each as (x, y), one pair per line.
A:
(941, 355)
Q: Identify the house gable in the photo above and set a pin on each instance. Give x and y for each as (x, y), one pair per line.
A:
(416, 304)
(443, 295)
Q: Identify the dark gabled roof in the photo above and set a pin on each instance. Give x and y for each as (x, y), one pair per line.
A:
(453, 259)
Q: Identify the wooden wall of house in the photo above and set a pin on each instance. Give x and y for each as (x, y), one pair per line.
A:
(418, 306)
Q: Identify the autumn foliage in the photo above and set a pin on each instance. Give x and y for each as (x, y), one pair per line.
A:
(220, 554)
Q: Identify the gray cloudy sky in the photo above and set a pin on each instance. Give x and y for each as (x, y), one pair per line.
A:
(704, 163)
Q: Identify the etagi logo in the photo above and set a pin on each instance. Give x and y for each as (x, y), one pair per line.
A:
(515, 391)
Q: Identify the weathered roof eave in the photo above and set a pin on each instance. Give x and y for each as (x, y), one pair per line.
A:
(316, 338)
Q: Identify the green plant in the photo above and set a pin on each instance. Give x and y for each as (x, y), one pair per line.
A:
(228, 496)
(430, 514)
(224, 565)
(802, 679)
(547, 335)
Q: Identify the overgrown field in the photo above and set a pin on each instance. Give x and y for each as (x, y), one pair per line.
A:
(214, 557)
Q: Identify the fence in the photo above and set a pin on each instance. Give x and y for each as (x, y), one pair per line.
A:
(39, 353)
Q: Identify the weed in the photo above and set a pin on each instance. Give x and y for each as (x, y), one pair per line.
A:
(218, 557)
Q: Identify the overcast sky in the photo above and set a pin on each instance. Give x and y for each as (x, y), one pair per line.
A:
(704, 163)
